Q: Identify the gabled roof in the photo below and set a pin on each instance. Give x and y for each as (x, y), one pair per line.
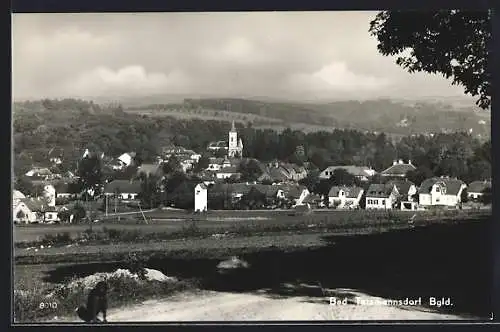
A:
(478, 186)
(452, 185)
(351, 192)
(123, 186)
(202, 185)
(35, 205)
(16, 194)
(277, 174)
(379, 190)
(292, 191)
(312, 198)
(398, 170)
(402, 186)
(354, 170)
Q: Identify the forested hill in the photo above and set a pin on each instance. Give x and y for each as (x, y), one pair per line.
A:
(374, 115)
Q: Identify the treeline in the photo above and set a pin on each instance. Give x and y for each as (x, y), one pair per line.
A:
(455, 154)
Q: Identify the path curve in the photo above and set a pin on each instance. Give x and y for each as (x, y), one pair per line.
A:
(219, 306)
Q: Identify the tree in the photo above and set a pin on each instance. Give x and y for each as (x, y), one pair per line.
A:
(24, 185)
(202, 164)
(172, 165)
(150, 193)
(419, 175)
(78, 212)
(250, 170)
(453, 43)
(486, 196)
(464, 197)
(89, 171)
(342, 177)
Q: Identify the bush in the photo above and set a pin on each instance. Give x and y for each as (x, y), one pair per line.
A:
(122, 290)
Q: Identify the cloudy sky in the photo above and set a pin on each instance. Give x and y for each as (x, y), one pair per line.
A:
(293, 55)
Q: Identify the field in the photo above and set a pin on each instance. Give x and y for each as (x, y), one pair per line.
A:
(386, 259)
(258, 122)
(170, 221)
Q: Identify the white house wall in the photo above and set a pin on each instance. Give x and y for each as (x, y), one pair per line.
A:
(200, 199)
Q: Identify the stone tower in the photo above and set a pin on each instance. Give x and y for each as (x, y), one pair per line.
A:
(235, 147)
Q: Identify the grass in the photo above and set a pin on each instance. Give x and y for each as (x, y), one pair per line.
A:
(356, 220)
(33, 305)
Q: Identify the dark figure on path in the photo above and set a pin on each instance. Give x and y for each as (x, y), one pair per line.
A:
(97, 302)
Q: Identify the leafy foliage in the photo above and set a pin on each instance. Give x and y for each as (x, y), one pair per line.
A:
(453, 43)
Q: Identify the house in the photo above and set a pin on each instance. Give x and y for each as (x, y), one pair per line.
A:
(219, 145)
(215, 164)
(186, 164)
(362, 173)
(295, 193)
(150, 169)
(127, 158)
(93, 152)
(406, 189)
(476, 189)
(21, 213)
(56, 156)
(272, 193)
(227, 172)
(39, 172)
(398, 169)
(49, 193)
(314, 200)
(277, 175)
(16, 194)
(50, 214)
(63, 190)
(381, 196)
(124, 189)
(200, 198)
(36, 206)
(345, 197)
(441, 191)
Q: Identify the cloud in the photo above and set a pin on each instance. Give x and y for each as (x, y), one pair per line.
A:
(127, 80)
(288, 54)
(336, 76)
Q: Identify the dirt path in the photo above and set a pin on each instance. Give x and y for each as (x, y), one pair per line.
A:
(218, 306)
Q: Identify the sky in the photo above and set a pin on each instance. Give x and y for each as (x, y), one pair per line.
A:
(283, 55)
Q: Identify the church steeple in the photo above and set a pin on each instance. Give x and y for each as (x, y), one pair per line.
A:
(233, 128)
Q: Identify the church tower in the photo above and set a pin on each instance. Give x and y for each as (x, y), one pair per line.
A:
(235, 147)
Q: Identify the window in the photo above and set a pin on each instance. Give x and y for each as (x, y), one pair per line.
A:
(437, 190)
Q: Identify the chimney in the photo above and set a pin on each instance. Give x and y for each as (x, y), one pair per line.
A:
(394, 162)
(400, 161)
(409, 162)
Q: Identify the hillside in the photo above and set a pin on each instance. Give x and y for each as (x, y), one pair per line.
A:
(396, 117)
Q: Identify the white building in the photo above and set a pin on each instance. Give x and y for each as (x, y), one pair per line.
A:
(49, 193)
(381, 197)
(441, 192)
(362, 173)
(21, 213)
(127, 158)
(476, 189)
(200, 198)
(345, 197)
(235, 145)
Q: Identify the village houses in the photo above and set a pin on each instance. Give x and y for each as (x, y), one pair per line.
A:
(344, 197)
